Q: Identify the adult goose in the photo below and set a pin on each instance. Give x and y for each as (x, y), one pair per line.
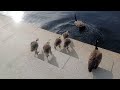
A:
(79, 24)
(67, 42)
(65, 34)
(95, 58)
(58, 42)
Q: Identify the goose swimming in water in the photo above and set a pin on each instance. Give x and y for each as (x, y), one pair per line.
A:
(34, 46)
(67, 42)
(95, 58)
(66, 34)
(47, 49)
(79, 24)
(58, 42)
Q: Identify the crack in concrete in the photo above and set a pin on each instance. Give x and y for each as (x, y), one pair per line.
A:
(112, 66)
(8, 38)
(66, 63)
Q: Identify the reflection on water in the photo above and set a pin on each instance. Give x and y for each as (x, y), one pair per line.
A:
(17, 16)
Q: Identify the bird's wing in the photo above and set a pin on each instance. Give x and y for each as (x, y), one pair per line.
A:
(99, 57)
(92, 55)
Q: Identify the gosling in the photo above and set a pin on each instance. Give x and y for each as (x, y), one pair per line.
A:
(67, 42)
(34, 46)
(47, 49)
(58, 42)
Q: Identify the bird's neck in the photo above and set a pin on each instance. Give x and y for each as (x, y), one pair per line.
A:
(96, 45)
(75, 18)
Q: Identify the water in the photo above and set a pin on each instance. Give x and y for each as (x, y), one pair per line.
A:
(104, 25)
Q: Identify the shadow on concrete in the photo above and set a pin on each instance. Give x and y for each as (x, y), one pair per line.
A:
(53, 61)
(71, 51)
(101, 73)
(72, 44)
(41, 56)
